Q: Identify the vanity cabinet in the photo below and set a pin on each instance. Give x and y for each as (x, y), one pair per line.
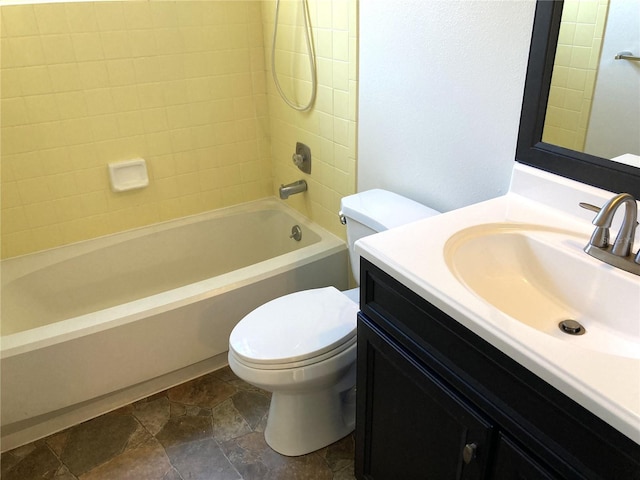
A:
(435, 401)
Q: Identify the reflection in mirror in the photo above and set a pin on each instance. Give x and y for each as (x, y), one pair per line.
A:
(585, 167)
(594, 100)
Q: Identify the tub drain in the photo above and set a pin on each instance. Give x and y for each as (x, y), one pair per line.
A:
(572, 327)
(296, 233)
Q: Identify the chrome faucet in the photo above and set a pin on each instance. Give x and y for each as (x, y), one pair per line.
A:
(292, 188)
(619, 254)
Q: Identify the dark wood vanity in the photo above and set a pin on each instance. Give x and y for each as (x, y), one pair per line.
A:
(436, 401)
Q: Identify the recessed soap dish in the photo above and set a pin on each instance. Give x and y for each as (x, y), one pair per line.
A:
(128, 175)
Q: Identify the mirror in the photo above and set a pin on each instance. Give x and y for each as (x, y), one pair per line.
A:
(594, 99)
(531, 150)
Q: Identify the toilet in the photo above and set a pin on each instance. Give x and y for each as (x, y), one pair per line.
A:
(302, 346)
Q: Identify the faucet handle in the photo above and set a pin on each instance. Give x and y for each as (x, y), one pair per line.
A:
(600, 236)
(588, 206)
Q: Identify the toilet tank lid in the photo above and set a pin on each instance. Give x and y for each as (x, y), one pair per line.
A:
(381, 210)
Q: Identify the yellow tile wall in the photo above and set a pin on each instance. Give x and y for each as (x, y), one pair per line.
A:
(574, 72)
(329, 128)
(180, 84)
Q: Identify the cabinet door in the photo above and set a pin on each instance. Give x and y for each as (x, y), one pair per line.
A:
(512, 463)
(409, 424)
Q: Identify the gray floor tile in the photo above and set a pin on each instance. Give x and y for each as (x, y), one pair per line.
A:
(209, 428)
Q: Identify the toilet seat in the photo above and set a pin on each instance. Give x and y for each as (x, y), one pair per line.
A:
(295, 330)
(297, 364)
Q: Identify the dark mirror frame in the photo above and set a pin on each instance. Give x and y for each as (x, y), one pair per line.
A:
(531, 150)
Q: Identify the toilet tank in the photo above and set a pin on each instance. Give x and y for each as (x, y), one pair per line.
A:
(374, 211)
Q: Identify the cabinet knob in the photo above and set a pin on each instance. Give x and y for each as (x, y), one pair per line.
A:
(469, 452)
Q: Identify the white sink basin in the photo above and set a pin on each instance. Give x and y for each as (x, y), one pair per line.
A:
(540, 277)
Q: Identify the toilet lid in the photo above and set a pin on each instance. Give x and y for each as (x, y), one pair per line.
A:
(295, 327)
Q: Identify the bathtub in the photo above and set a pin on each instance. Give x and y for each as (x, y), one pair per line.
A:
(89, 327)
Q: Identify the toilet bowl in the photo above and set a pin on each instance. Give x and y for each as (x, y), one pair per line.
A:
(302, 346)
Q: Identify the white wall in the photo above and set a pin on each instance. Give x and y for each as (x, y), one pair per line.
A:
(441, 86)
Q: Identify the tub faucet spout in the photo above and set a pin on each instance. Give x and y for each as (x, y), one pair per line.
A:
(292, 188)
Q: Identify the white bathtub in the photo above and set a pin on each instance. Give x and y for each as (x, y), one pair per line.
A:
(90, 327)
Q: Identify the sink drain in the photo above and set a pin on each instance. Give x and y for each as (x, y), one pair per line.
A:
(572, 327)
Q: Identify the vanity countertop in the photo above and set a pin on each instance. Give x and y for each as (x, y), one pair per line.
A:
(608, 385)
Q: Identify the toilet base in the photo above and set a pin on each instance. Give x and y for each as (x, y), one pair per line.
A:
(302, 423)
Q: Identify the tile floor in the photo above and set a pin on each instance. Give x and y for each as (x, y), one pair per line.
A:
(208, 428)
